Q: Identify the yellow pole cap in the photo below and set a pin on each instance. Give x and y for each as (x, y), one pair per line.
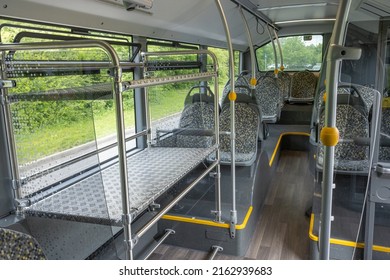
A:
(253, 82)
(232, 96)
(386, 102)
(282, 68)
(324, 97)
(329, 136)
(276, 71)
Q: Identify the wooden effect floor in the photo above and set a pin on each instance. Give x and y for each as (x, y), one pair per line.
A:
(282, 231)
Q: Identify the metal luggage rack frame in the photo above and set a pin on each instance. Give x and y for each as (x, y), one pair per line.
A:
(128, 212)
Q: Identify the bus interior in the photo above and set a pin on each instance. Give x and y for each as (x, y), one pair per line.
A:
(193, 129)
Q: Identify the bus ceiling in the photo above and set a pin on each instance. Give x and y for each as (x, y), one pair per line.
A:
(193, 21)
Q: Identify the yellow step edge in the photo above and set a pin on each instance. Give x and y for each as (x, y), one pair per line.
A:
(209, 222)
(347, 243)
(280, 140)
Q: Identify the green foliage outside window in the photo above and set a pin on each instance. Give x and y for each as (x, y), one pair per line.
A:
(298, 54)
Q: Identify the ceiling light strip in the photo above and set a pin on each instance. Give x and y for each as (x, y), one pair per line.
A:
(305, 21)
(298, 6)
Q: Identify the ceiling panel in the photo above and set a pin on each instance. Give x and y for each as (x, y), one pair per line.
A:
(289, 10)
(193, 21)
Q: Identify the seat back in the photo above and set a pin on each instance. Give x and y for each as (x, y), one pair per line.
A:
(15, 245)
(303, 86)
(196, 117)
(199, 94)
(284, 83)
(241, 83)
(268, 96)
(194, 120)
(384, 150)
(352, 122)
(247, 126)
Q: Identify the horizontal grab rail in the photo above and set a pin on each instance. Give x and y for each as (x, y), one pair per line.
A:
(168, 232)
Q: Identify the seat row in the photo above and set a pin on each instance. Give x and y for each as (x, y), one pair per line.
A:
(354, 122)
(196, 126)
(271, 91)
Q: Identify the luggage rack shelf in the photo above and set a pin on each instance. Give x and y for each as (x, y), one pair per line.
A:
(151, 172)
(121, 192)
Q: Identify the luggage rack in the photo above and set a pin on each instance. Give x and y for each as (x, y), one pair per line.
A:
(127, 183)
(151, 172)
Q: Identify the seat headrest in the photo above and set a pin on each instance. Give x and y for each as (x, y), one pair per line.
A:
(201, 97)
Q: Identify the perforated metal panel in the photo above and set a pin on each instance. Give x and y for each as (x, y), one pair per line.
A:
(150, 173)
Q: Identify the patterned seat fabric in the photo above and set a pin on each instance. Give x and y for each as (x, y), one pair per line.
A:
(303, 86)
(384, 152)
(367, 94)
(243, 90)
(195, 123)
(241, 84)
(196, 116)
(248, 76)
(15, 245)
(247, 125)
(340, 90)
(284, 83)
(352, 122)
(269, 98)
(260, 74)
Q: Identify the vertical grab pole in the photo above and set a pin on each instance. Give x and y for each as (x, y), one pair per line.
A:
(120, 127)
(148, 118)
(329, 134)
(275, 54)
(120, 124)
(218, 201)
(232, 98)
(253, 80)
(10, 136)
(147, 109)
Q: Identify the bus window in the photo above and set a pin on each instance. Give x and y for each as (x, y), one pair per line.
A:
(363, 70)
(167, 101)
(58, 115)
(299, 53)
(223, 62)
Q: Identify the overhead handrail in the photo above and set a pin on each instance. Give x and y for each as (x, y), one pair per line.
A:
(73, 31)
(280, 50)
(253, 80)
(253, 9)
(275, 53)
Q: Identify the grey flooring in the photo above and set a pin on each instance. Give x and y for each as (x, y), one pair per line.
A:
(282, 230)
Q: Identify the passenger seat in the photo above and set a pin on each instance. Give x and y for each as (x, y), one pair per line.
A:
(268, 96)
(15, 245)
(352, 122)
(247, 129)
(303, 87)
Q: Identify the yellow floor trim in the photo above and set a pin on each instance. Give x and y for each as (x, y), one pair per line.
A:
(280, 140)
(347, 243)
(194, 220)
